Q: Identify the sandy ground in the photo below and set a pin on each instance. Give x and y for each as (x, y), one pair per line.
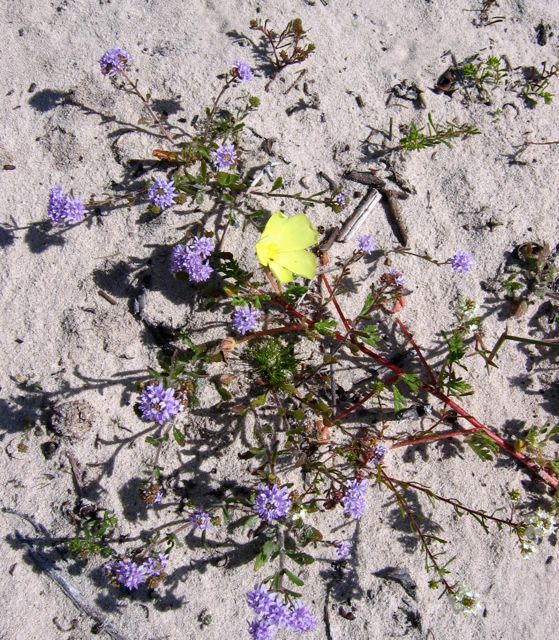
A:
(62, 122)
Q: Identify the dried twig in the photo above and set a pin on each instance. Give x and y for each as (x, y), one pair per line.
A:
(46, 566)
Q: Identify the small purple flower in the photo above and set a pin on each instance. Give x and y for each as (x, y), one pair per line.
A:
(343, 550)
(128, 573)
(244, 72)
(158, 404)
(341, 200)
(259, 600)
(366, 244)
(200, 519)
(115, 61)
(224, 157)
(162, 193)
(301, 619)
(397, 277)
(191, 259)
(378, 454)
(462, 262)
(272, 503)
(158, 499)
(203, 246)
(62, 209)
(156, 566)
(261, 630)
(245, 319)
(354, 499)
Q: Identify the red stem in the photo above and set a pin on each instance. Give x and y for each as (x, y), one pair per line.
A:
(424, 362)
(521, 458)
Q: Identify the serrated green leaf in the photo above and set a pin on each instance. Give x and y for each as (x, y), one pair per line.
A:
(300, 558)
(484, 447)
(412, 382)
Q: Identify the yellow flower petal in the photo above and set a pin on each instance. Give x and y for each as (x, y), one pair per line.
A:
(283, 245)
(300, 262)
(298, 233)
(281, 273)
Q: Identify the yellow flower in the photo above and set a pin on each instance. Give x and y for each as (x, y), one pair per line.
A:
(283, 247)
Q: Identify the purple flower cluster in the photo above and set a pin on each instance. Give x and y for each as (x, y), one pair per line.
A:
(131, 575)
(340, 200)
(272, 503)
(192, 259)
(366, 244)
(397, 277)
(200, 519)
(158, 404)
(354, 499)
(162, 193)
(343, 549)
(114, 61)
(245, 319)
(272, 615)
(63, 209)
(379, 452)
(462, 262)
(224, 157)
(244, 72)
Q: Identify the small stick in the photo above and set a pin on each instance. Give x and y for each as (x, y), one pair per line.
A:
(107, 297)
(392, 196)
(358, 217)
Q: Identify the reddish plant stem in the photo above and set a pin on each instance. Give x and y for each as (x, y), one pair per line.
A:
(442, 436)
(271, 332)
(332, 295)
(416, 348)
(521, 458)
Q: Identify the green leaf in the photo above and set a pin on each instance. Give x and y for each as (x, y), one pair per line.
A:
(325, 327)
(278, 183)
(300, 558)
(260, 560)
(179, 437)
(153, 441)
(399, 400)
(484, 447)
(412, 382)
(294, 579)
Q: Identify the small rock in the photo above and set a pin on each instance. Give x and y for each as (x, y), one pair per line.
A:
(49, 448)
(73, 419)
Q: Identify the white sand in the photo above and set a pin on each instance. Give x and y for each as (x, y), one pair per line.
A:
(58, 332)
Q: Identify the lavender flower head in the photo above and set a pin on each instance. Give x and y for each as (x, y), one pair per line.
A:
(158, 404)
(397, 277)
(301, 619)
(192, 259)
(272, 503)
(343, 550)
(200, 519)
(261, 630)
(366, 244)
(62, 209)
(224, 157)
(354, 499)
(156, 566)
(462, 262)
(115, 61)
(379, 452)
(127, 573)
(259, 600)
(162, 193)
(245, 319)
(244, 72)
(340, 200)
